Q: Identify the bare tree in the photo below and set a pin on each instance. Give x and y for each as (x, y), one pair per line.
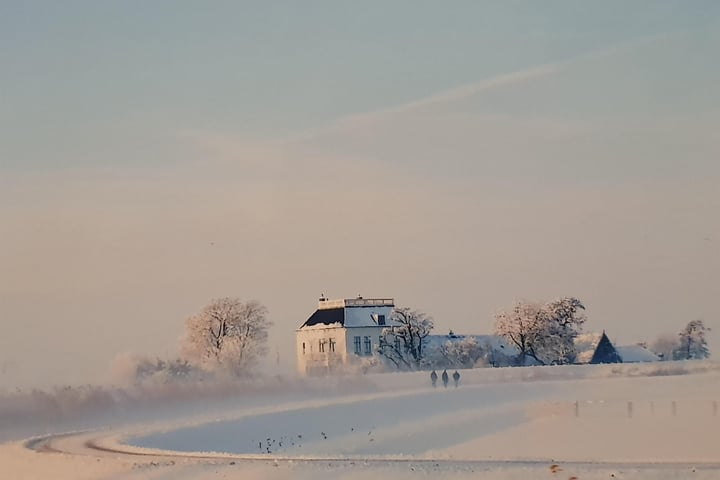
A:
(543, 332)
(403, 343)
(228, 334)
(523, 327)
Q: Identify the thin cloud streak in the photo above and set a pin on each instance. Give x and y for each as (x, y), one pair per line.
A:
(466, 91)
(469, 90)
(442, 97)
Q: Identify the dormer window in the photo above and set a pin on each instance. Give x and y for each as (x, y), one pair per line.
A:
(381, 319)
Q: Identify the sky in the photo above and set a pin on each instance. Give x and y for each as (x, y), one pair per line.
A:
(457, 156)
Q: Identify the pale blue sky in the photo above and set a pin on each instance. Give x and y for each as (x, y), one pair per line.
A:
(455, 155)
(86, 83)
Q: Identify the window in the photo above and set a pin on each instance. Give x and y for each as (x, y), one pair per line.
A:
(303, 348)
(368, 346)
(321, 345)
(357, 346)
(331, 344)
(381, 319)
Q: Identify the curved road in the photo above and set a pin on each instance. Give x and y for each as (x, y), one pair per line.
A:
(100, 445)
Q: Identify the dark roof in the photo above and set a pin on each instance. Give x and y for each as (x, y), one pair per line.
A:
(605, 352)
(326, 317)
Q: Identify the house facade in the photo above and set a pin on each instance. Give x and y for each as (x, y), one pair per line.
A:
(341, 333)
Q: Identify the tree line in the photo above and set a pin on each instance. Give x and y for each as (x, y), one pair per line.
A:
(230, 337)
(689, 344)
(542, 334)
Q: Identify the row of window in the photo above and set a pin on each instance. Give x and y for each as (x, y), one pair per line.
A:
(324, 345)
(328, 345)
(364, 341)
(363, 345)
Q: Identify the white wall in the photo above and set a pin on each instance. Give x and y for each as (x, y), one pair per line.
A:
(359, 321)
(363, 316)
(312, 358)
(362, 332)
(312, 361)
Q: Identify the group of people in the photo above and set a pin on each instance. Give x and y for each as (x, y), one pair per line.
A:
(445, 378)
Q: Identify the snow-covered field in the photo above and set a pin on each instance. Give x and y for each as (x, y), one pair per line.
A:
(655, 421)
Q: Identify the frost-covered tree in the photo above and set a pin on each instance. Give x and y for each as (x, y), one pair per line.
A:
(563, 321)
(693, 344)
(665, 346)
(522, 326)
(455, 353)
(228, 334)
(403, 343)
(543, 332)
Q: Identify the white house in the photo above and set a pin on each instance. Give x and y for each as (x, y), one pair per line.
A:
(341, 333)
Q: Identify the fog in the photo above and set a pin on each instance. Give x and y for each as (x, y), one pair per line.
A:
(192, 401)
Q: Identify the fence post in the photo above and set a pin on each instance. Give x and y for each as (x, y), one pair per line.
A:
(577, 408)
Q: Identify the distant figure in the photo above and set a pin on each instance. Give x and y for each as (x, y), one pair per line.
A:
(433, 378)
(456, 377)
(445, 378)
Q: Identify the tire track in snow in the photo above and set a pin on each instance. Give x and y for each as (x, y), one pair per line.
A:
(73, 444)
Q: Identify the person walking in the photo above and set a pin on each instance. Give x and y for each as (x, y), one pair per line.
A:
(445, 378)
(433, 378)
(456, 378)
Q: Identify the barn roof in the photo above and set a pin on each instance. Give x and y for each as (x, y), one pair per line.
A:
(605, 352)
(585, 346)
(636, 353)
